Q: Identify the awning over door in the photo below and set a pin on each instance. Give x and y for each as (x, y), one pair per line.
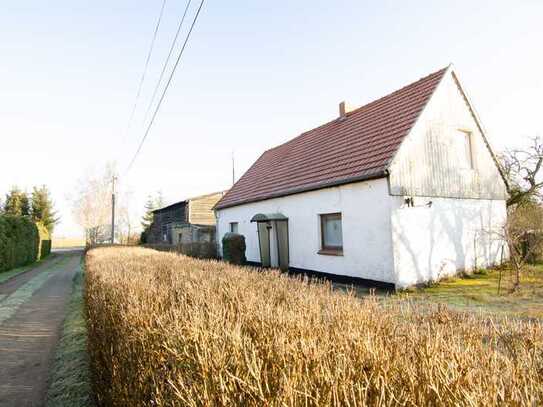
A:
(266, 217)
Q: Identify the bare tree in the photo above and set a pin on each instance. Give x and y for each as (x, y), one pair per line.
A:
(523, 234)
(127, 229)
(92, 203)
(522, 169)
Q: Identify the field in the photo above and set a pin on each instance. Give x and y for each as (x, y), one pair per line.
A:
(182, 331)
(479, 292)
(68, 242)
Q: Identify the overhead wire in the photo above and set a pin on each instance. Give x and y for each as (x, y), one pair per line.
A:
(159, 104)
(145, 68)
(172, 47)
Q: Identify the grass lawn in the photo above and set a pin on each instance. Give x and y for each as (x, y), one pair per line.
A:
(479, 292)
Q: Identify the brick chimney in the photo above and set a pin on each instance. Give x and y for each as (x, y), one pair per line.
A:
(344, 108)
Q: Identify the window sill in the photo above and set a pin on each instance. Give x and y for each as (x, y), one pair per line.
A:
(330, 252)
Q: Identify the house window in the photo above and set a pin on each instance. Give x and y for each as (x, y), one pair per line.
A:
(331, 234)
(234, 227)
(462, 145)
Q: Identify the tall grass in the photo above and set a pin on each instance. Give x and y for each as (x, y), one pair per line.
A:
(170, 330)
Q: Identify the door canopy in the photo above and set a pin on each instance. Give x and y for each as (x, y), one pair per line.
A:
(266, 217)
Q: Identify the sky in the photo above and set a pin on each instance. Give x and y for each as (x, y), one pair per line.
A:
(254, 75)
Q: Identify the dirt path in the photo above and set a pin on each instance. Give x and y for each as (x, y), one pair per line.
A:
(11, 285)
(31, 314)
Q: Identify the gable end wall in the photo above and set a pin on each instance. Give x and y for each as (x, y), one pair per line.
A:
(424, 165)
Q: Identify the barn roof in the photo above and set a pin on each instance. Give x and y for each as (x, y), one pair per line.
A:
(356, 147)
(184, 202)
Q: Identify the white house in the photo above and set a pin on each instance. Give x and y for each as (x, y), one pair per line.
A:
(403, 190)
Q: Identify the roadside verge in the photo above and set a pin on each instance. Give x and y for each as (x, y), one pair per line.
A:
(69, 383)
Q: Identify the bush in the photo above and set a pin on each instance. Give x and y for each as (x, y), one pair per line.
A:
(233, 248)
(19, 242)
(22, 241)
(182, 331)
(143, 236)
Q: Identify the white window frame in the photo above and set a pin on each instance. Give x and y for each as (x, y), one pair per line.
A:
(468, 134)
(330, 250)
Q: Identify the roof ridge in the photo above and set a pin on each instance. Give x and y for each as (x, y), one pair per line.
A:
(337, 152)
(361, 107)
(224, 191)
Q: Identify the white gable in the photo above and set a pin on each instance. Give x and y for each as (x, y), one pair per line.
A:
(446, 154)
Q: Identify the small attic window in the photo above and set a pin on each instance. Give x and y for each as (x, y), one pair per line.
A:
(463, 145)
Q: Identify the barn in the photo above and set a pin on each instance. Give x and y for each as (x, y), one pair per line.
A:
(187, 221)
(401, 191)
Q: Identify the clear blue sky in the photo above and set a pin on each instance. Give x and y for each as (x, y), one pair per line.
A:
(255, 74)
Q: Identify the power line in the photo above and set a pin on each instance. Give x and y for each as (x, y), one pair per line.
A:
(167, 86)
(172, 47)
(146, 66)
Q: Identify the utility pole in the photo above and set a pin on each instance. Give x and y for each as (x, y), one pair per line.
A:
(233, 170)
(113, 210)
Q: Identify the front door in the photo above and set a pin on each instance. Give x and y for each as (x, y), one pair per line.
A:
(281, 234)
(264, 243)
(273, 242)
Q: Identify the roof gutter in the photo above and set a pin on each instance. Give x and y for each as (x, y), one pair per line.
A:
(379, 173)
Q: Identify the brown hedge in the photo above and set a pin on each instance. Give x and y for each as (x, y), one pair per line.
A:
(169, 330)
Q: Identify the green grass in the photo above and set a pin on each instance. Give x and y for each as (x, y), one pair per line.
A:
(70, 378)
(6, 275)
(479, 292)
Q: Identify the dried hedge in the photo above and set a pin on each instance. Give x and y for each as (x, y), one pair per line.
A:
(200, 250)
(169, 330)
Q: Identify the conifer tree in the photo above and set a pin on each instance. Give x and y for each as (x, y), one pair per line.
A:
(17, 203)
(42, 208)
(147, 218)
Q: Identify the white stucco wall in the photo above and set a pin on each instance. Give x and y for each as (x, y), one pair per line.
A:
(383, 238)
(367, 238)
(453, 234)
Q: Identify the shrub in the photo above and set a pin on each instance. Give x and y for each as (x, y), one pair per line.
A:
(169, 330)
(19, 242)
(22, 241)
(233, 248)
(143, 236)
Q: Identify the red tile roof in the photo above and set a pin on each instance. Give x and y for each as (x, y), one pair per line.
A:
(355, 148)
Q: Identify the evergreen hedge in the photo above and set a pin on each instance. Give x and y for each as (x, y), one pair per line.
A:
(22, 242)
(233, 248)
(45, 241)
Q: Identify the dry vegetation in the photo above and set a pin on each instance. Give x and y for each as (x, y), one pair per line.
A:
(68, 242)
(170, 330)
